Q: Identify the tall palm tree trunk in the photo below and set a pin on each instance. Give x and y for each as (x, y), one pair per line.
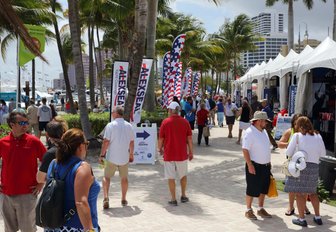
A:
(91, 71)
(76, 48)
(290, 25)
(100, 68)
(149, 103)
(137, 52)
(63, 63)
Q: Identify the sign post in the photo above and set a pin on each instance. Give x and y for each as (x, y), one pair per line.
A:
(145, 144)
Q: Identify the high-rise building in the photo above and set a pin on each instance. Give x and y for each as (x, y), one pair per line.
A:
(270, 27)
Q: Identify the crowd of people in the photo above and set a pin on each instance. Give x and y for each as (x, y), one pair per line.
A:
(22, 180)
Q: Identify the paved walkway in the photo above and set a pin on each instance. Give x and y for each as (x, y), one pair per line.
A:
(216, 190)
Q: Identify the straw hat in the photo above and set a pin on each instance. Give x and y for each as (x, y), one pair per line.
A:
(297, 163)
(260, 115)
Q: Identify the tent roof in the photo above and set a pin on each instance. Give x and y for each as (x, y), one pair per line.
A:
(265, 70)
(290, 65)
(275, 70)
(323, 56)
(244, 77)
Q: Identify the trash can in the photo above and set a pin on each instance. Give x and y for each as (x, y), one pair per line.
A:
(327, 172)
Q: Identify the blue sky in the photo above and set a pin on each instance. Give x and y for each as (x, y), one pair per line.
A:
(318, 20)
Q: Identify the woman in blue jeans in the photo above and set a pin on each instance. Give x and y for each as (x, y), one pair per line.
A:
(220, 112)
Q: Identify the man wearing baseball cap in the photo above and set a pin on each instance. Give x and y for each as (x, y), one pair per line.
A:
(257, 154)
(175, 143)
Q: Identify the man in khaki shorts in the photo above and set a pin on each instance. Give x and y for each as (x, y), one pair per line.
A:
(117, 148)
(175, 136)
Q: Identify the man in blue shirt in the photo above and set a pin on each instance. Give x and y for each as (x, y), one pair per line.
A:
(269, 127)
(190, 112)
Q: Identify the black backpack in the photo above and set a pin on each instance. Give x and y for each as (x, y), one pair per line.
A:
(50, 207)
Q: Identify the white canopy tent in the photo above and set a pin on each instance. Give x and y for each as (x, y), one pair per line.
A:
(323, 56)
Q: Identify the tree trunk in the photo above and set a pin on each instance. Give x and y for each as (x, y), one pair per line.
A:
(64, 64)
(290, 25)
(137, 52)
(212, 79)
(149, 104)
(33, 80)
(100, 69)
(77, 54)
(334, 22)
(91, 71)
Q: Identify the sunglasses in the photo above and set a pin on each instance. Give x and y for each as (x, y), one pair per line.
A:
(23, 123)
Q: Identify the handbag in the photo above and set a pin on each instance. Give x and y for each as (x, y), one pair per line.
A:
(272, 189)
(285, 165)
(206, 131)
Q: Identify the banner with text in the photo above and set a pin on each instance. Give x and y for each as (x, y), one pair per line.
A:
(141, 90)
(119, 83)
(292, 95)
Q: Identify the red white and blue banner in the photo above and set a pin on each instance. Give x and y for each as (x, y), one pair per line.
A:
(165, 79)
(195, 84)
(119, 83)
(186, 82)
(178, 82)
(175, 55)
(141, 90)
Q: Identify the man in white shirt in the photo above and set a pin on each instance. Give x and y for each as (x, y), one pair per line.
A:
(118, 149)
(44, 116)
(257, 154)
(230, 110)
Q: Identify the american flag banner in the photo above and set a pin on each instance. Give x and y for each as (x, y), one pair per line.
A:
(165, 79)
(186, 82)
(175, 55)
(178, 82)
(196, 81)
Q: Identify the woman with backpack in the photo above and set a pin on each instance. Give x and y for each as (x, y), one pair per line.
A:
(81, 188)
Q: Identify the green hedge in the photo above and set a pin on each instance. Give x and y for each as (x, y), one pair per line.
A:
(99, 120)
(4, 130)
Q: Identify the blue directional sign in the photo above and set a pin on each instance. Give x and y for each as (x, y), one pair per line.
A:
(143, 135)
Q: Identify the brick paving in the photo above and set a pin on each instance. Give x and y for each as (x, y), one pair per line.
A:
(216, 188)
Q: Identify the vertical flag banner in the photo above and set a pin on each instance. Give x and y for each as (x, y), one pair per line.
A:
(165, 79)
(178, 82)
(196, 81)
(141, 90)
(186, 82)
(38, 35)
(119, 83)
(175, 55)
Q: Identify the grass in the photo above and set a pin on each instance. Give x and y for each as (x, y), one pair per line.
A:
(331, 201)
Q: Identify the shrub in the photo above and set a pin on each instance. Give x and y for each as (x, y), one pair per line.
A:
(4, 130)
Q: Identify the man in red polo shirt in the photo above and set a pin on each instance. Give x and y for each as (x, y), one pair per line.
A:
(175, 136)
(19, 152)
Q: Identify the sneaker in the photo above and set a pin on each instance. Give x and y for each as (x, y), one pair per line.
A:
(250, 215)
(173, 203)
(184, 199)
(124, 203)
(318, 221)
(106, 204)
(299, 222)
(263, 213)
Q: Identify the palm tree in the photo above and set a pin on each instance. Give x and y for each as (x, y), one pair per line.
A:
(307, 3)
(138, 51)
(74, 24)
(56, 6)
(334, 22)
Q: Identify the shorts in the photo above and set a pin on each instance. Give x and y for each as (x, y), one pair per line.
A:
(230, 120)
(172, 169)
(259, 183)
(111, 168)
(42, 126)
(243, 125)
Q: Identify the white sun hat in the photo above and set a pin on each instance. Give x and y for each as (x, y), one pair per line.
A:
(297, 163)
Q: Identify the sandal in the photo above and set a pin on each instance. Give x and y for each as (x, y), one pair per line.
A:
(124, 203)
(290, 212)
(106, 204)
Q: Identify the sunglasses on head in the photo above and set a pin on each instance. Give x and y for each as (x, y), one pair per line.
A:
(23, 123)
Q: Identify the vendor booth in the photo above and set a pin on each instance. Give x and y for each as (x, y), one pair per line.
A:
(316, 90)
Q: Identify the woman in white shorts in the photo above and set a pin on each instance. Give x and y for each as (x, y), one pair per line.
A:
(245, 116)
